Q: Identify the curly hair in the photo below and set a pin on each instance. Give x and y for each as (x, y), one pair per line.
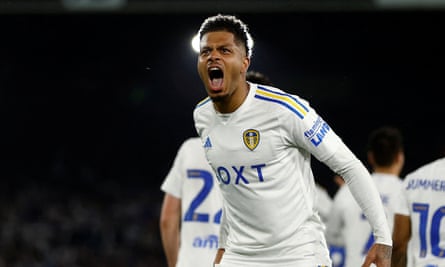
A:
(230, 24)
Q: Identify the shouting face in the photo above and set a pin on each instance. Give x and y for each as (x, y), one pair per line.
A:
(222, 66)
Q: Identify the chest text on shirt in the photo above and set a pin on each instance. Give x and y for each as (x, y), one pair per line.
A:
(235, 174)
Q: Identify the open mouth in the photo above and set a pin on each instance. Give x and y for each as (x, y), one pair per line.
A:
(216, 76)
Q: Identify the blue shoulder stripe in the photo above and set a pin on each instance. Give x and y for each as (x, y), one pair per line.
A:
(203, 102)
(284, 99)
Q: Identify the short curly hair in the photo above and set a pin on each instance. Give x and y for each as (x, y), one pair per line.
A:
(230, 24)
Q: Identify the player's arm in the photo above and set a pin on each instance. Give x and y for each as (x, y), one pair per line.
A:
(362, 187)
(170, 227)
(401, 236)
(219, 255)
(223, 233)
(367, 196)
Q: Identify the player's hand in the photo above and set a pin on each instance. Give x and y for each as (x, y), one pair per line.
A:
(378, 254)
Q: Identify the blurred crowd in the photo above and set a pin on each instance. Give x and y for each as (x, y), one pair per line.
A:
(88, 224)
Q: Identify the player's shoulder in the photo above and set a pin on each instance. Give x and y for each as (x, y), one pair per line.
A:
(281, 100)
(202, 104)
(203, 110)
(432, 168)
(192, 142)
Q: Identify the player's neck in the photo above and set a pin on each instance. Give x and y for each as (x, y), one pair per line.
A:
(393, 170)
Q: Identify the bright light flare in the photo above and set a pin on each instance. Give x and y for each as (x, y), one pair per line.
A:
(195, 43)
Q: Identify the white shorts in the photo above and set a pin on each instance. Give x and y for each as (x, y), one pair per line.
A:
(310, 250)
(312, 254)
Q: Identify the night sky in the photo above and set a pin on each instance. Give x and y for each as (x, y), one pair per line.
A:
(110, 96)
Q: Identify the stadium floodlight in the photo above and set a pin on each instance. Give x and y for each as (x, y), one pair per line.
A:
(195, 43)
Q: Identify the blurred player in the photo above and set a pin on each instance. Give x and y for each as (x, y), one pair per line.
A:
(191, 209)
(337, 252)
(258, 77)
(420, 218)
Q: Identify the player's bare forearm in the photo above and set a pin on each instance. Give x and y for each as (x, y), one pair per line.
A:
(380, 255)
(398, 259)
(219, 255)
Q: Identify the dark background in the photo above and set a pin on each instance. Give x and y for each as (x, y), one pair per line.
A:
(95, 105)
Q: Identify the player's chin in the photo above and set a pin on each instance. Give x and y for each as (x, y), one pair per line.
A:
(216, 97)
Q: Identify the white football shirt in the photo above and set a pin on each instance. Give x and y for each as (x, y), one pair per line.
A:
(192, 180)
(323, 202)
(423, 199)
(261, 154)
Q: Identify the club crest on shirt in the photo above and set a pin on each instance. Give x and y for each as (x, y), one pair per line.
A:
(251, 138)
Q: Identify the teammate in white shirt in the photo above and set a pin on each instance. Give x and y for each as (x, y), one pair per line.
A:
(191, 210)
(259, 141)
(323, 202)
(420, 218)
(337, 252)
(347, 224)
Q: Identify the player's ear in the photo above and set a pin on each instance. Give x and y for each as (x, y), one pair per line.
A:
(246, 64)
